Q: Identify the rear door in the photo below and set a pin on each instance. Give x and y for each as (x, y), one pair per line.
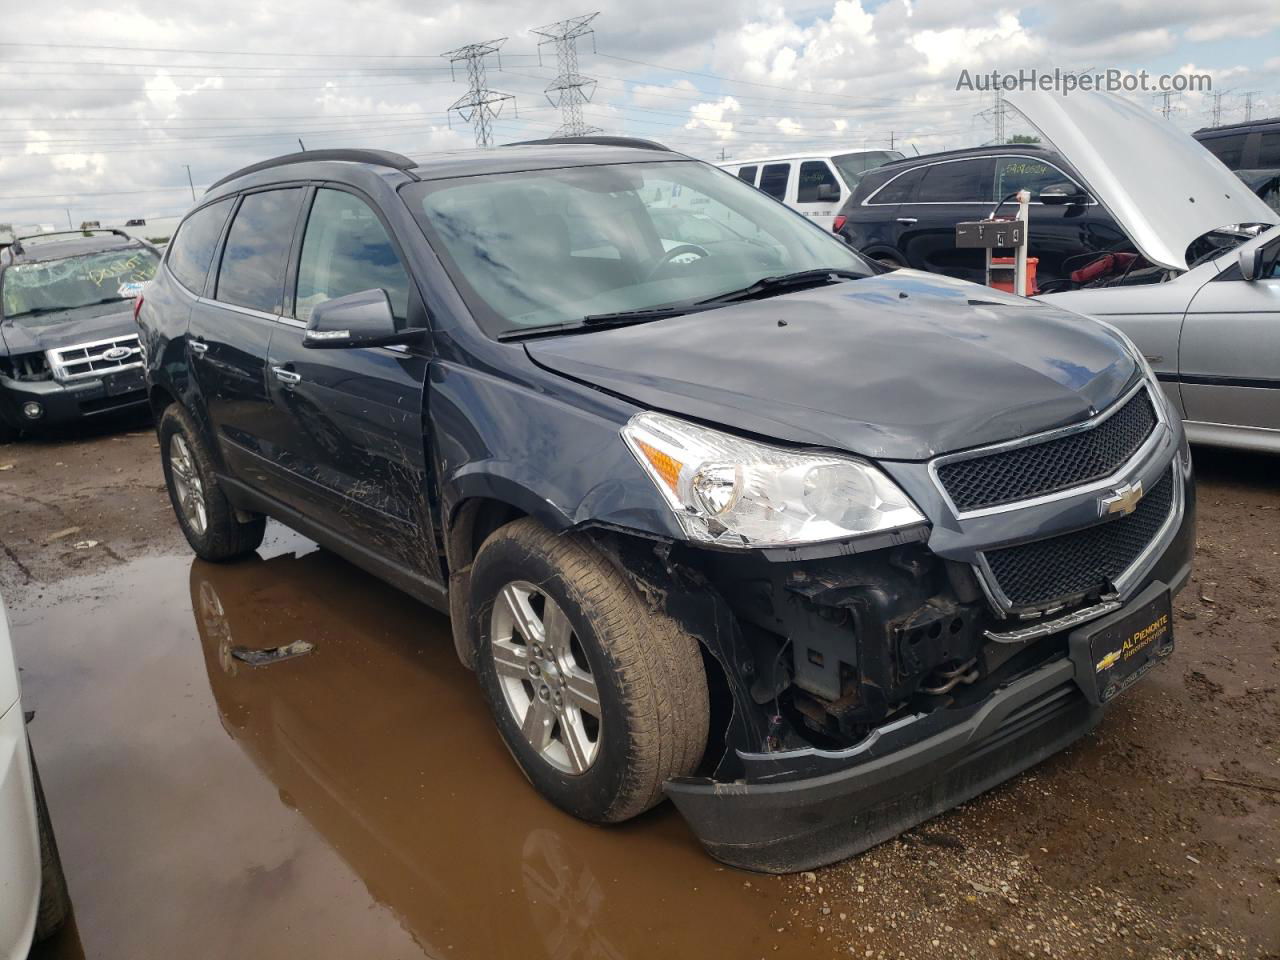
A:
(354, 427)
(231, 328)
(876, 224)
(1229, 358)
(950, 192)
(775, 179)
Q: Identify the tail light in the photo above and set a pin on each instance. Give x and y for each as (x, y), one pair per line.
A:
(137, 307)
(836, 225)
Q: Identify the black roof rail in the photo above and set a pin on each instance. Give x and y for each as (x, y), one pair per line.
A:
(1261, 121)
(380, 158)
(17, 247)
(635, 142)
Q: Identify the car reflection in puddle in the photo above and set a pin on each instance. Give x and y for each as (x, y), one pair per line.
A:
(380, 739)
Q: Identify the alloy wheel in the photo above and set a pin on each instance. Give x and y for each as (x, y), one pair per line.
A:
(545, 677)
(187, 484)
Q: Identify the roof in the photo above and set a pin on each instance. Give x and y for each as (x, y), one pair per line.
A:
(510, 158)
(69, 247)
(804, 155)
(1236, 127)
(997, 149)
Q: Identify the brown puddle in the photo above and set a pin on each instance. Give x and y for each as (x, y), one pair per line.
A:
(354, 802)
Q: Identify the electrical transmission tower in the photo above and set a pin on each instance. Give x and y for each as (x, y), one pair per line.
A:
(1166, 107)
(996, 115)
(1248, 104)
(570, 89)
(480, 106)
(1216, 111)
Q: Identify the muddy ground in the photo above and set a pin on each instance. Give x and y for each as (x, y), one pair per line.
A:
(356, 802)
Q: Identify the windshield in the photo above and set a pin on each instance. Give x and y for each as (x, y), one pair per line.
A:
(853, 165)
(543, 247)
(47, 286)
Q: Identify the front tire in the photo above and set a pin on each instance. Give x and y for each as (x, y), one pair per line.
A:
(206, 517)
(599, 700)
(55, 902)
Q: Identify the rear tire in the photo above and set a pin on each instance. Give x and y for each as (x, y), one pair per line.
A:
(645, 673)
(890, 261)
(206, 517)
(55, 902)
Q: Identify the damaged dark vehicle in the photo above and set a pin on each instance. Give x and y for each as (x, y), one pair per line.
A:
(68, 343)
(814, 549)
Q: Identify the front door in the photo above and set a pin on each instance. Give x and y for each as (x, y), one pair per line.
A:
(355, 419)
(1061, 237)
(1229, 360)
(231, 328)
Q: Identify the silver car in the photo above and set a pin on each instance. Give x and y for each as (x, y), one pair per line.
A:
(1203, 303)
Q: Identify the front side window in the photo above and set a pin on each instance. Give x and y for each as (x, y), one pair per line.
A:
(748, 174)
(1026, 173)
(815, 174)
(959, 181)
(346, 250)
(532, 248)
(257, 250)
(191, 250)
(45, 287)
(773, 180)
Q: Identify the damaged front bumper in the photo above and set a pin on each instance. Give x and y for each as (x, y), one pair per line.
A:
(802, 811)
(806, 773)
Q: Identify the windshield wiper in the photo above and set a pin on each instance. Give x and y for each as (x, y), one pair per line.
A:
(40, 311)
(602, 321)
(769, 285)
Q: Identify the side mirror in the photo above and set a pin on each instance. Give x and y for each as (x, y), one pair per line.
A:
(1251, 262)
(361, 319)
(1061, 194)
(828, 191)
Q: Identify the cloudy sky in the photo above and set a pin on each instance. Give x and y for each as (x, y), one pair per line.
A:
(104, 106)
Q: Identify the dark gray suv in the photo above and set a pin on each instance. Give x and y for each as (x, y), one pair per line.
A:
(814, 549)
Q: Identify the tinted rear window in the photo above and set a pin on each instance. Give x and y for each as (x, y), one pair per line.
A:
(191, 251)
(960, 181)
(257, 250)
(1230, 150)
(901, 189)
(773, 180)
(1269, 151)
(748, 174)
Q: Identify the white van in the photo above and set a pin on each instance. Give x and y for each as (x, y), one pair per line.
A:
(815, 184)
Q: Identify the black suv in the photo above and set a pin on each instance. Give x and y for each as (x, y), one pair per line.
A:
(816, 549)
(68, 343)
(1252, 145)
(905, 212)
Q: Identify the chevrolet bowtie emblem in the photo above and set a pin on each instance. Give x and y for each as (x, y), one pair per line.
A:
(1123, 500)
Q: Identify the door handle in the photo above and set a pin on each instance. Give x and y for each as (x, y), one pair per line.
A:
(285, 375)
(906, 219)
(197, 346)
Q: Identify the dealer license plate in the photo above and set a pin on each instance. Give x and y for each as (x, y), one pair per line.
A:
(1114, 653)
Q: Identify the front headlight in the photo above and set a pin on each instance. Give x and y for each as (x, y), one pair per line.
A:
(737, 493)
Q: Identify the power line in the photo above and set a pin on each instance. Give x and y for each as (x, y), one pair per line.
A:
(570, 88)
(235, 53)
(477, 106)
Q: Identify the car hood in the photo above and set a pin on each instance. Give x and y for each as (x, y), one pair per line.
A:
(900, 366)
(85, 325)
(1159, 184)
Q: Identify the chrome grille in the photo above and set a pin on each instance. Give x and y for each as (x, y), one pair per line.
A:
(1095, 451)
(1084, 562)
(95, 359)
